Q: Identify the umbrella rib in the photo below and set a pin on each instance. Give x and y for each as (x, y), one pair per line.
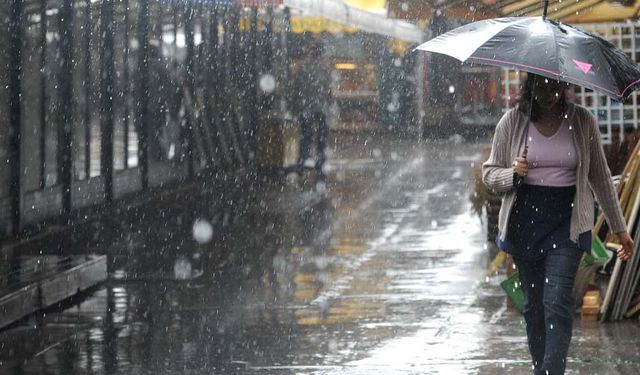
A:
(544, 47)
(555, 43)
(611, 76)
(631, 85)
(610, 72)
(516, 65)
(558, 75)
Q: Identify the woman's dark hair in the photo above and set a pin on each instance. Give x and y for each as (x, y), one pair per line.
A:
(524, 97)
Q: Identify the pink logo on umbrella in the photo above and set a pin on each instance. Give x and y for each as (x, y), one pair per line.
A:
(583, 66)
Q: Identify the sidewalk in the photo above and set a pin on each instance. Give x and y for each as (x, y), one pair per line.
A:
(382, 274)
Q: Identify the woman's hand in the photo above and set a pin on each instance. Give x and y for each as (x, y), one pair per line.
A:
(521, 166)
(626, 251)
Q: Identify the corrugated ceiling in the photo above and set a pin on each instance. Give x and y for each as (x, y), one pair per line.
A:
(570, 11)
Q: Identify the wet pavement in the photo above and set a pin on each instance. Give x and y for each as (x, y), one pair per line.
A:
(379, 269)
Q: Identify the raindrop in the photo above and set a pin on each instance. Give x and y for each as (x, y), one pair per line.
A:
(182, 268)
(267, 83)
(394, 104)
(333, 346)
(202, 231)
(321, 262)
(321, 187)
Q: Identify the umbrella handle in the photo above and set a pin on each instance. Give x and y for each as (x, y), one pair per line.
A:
(544, 14)
(526, 130)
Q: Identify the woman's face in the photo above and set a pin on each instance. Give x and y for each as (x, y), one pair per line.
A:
(548, 92)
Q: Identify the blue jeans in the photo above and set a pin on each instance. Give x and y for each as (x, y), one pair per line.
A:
(549, 306)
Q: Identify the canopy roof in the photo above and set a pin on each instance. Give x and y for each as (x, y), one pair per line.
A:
(373, 22)
(568, 11)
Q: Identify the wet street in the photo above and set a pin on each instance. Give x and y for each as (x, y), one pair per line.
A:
(380, 269)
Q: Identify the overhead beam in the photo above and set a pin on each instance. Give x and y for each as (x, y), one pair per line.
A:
(605, 12)
(463, 12)
(519, 5)
(579, 7)
(553, 8)
(499, 5)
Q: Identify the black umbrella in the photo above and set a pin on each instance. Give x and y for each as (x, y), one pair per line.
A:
(544, 47)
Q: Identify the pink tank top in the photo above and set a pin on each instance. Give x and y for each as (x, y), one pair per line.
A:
(552, 160)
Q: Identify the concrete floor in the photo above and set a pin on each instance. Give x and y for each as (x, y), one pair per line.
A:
(380, 269)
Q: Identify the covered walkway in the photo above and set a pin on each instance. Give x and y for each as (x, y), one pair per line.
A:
(383, 272)
(156, 215)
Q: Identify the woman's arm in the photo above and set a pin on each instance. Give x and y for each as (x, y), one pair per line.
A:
(497, 171)
(602, 186)
(600, 178)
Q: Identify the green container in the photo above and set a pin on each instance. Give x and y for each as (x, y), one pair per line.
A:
(514, 291)
(599, 255)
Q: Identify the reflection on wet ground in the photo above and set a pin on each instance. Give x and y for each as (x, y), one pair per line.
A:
(382, 274)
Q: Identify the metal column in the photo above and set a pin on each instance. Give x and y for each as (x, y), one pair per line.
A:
(106, 97)
(190, 83)
(15, 63)
(65, 114)
(142, 98)
(43, 93)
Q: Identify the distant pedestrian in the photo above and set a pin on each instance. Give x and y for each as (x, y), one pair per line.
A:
(311, 98)
(547, 213)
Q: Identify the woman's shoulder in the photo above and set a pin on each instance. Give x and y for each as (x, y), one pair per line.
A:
(508, 121)
(510, 117)
(580, 113)
(583, 119)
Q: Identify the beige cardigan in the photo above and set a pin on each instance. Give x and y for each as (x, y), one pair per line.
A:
(592, 175)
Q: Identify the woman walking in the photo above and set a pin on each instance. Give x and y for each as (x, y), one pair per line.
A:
(548, 169)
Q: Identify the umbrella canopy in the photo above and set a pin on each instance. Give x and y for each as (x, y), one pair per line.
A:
(545, 47)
